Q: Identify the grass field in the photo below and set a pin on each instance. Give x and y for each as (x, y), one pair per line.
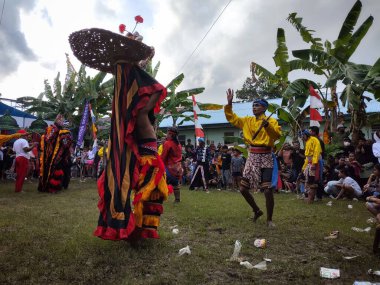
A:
(47, 239)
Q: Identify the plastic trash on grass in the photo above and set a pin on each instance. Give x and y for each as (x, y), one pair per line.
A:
(260, 243)
(261, 265)
(329, 203)
(359, 230)
(235, 254)
(374, 272)
(175, 231)
(185, 250)
(349, 206)
(329, 273)
(246, 264)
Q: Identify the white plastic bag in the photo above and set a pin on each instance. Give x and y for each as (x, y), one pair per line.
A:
(175, 231)
(247, 264)
(185, 250)
(235, 254)
(261, 266)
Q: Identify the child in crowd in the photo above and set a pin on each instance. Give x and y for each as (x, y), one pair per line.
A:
(237, 167)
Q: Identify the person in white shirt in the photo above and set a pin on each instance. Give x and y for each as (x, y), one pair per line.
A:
(348, 186)
(21, 148)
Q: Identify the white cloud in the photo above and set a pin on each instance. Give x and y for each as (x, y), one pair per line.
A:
(245, 32)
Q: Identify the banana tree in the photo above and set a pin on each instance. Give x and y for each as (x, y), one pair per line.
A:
(179, 106)
(294, 94)
(328, 59)
(359, 78)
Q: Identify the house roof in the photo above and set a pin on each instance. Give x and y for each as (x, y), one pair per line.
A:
(245, 109)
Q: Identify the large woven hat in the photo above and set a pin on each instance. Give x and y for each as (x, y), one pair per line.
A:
(100, 49)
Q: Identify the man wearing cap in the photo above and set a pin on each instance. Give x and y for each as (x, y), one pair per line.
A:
(259, 133)
(311, 167)
(200, 175)
(21, 148)
(172, 157)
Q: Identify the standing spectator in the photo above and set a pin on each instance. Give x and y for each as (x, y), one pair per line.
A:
(314, 131)
(200, 175)
(21, 148)
(311, 165)
(189, 145)
(260, 133)
(226, 167)
(237, 167)
(172, 157)
(298, 158)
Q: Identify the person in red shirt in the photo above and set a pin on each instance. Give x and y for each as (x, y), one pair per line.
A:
(172, 157)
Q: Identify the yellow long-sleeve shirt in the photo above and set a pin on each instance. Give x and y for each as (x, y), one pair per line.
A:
(251, 124)
(313, 151)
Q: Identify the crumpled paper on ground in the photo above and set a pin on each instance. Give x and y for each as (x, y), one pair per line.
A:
(374, 272)
(329, 203)
(261, 265)
(235, 254)
(329, 273)
(350, 257)
(359, 230)
(185, 250)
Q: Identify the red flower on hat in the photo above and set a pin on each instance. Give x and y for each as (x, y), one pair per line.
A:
(139, 19)
(122, 28)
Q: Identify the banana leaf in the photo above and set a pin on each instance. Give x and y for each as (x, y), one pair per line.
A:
(281, 55)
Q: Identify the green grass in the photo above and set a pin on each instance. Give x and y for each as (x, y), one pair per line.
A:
(47, 239)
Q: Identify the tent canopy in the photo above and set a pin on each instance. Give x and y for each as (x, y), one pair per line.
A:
(14, 112)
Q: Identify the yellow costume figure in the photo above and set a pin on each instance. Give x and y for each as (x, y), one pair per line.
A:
(311, 167)
(260, 171)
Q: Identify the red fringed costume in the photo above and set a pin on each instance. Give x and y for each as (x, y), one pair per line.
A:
(55, 154)
(133, 185)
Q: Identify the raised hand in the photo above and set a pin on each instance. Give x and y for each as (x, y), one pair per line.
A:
(230, 96)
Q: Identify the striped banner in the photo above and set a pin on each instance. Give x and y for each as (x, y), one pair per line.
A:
(82, 126)
(198, 127)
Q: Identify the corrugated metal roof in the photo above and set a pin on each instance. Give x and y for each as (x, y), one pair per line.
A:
(245, 109)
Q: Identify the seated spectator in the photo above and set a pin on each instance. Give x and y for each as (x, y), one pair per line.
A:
(213, 181)
(355, 165)
(347, 147)
(348, 187)
(372, 187)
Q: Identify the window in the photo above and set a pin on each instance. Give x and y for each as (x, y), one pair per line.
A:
(226, 139)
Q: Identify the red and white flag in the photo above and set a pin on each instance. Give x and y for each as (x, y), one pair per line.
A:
(315, 103)
(198, 127)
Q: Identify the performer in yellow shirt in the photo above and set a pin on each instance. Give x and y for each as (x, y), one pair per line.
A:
(311, 167)
(259, 133)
